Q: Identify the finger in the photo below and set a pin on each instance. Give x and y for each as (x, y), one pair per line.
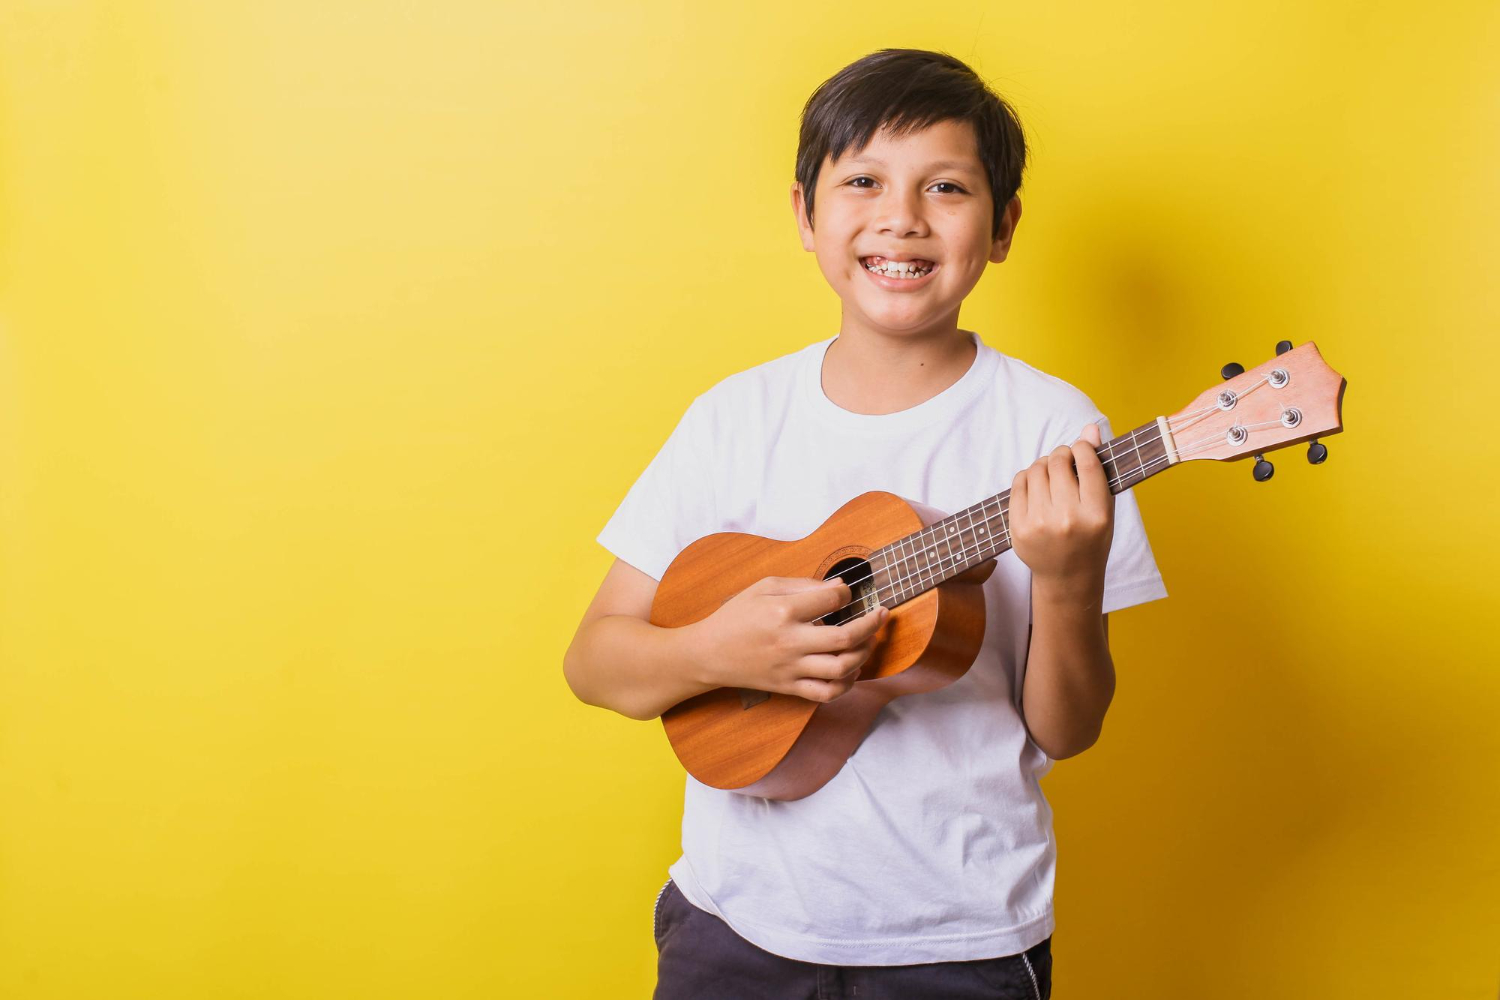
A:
(1017, 505)
(869, 622)
(797, 584)
(821, 691)
(1062, 482)
(818, 599)
(812, 638)
(821, 666)
(1039, 489)
(1089, 439)
(856, 659)
(1093, 483)
(835, 666)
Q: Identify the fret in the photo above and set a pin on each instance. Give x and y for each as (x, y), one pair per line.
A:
(925, 561)
(972, 546)
(986, 532)
(1140, 463)
(915, 563)
(895, 580)
(908, 564)
(1112, 471)
(892, 585)
(954, 541)
(1116, 471)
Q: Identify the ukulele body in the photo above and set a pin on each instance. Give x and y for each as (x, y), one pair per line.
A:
(781, 746)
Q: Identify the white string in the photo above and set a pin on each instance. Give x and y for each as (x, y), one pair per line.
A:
(901, 584)
(1187, 420)
(1127, 440)
(999, 512)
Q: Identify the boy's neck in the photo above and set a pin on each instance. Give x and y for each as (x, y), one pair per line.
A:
(874, 373)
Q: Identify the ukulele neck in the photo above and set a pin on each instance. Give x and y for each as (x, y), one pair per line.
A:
(912, 565)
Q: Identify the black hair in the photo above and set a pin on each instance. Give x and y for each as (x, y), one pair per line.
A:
(905, 90)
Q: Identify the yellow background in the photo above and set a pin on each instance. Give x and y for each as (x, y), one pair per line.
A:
(330, 335)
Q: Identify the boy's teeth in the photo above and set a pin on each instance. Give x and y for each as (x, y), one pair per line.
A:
(899, 268)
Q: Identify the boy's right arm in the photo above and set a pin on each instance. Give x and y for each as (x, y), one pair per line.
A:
(762, 638)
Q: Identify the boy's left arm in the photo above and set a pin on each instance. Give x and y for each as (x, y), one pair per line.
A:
(1061, 525)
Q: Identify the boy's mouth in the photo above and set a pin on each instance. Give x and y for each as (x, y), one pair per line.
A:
(902, 270)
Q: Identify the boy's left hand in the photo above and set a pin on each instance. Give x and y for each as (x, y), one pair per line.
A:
(1062, 523)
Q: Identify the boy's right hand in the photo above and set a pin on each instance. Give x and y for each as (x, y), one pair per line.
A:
(764, 638)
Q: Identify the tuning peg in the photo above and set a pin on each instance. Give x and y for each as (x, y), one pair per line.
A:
(1231, 370)
(1316, 452)
(1263, 469)
(1282, 346)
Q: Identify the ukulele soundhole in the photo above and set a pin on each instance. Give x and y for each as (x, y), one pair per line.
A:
(862, 592)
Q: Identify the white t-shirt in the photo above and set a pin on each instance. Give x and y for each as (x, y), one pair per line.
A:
(934, 842)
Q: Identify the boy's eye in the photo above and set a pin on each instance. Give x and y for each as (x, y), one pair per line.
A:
(950, 184)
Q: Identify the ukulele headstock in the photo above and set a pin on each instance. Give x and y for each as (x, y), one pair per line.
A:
(1293, 397)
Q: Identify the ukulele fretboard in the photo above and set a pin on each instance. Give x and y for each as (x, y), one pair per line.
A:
(942, 550)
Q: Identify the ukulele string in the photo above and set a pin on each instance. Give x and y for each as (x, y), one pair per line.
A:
(1005, 528)
(1182, 451)
(896, 585)
(967, 552)
(1004, 525)
(1187, 420)
(1180, 423)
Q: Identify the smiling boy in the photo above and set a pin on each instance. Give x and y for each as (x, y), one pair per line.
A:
(925, 867)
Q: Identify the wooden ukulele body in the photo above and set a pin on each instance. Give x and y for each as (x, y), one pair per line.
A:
(781, 746)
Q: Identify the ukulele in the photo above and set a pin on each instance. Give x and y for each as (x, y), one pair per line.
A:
(928, 569)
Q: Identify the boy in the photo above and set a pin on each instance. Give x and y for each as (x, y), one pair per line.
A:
(925, 866)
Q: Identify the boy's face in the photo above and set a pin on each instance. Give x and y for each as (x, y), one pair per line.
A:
(925, 197)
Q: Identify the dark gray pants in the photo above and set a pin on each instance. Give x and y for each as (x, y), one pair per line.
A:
(699, 957)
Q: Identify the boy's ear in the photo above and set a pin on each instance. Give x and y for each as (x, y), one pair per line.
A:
(800, 210)
(1012, 215)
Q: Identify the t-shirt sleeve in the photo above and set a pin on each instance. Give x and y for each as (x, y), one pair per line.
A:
(1130, 573)
(671, 504)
